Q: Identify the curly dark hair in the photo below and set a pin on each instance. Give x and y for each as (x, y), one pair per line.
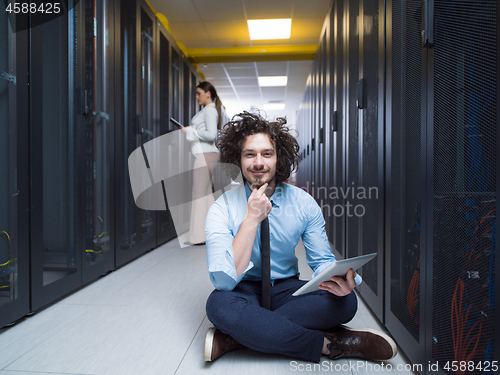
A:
(235, 132)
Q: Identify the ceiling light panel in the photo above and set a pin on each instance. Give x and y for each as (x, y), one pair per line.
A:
(273, 81)
(270, 29)
(274, 106)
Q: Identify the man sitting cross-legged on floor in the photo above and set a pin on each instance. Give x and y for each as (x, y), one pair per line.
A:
(303, 327)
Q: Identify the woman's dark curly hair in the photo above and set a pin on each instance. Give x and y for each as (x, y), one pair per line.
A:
(235, 132)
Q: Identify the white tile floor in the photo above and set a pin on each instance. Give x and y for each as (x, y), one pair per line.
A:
(148, 318)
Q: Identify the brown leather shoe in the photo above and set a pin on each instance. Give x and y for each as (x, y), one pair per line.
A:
(218, 343)
(366, 343)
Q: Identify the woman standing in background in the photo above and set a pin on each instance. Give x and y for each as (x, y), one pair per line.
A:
(203, 131)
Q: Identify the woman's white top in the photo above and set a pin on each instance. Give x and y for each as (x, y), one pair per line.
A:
(203, 130)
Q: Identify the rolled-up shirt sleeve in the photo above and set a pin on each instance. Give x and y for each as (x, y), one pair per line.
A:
(220, 256)
(318, 251)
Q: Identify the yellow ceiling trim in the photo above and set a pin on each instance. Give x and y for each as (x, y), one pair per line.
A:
(182, 48)
(161, 18)
(164, 22)
(257, 53)
(149, 4)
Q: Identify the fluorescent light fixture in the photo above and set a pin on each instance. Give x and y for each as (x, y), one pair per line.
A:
(273, 81)
(270, 29)
(274, 106)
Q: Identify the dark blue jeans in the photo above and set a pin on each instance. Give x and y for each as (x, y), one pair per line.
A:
(293, 327)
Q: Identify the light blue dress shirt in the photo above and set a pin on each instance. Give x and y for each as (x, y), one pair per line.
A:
(294, 214)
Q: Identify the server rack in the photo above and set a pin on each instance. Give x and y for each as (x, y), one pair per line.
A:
(98, 148)
(461, 200)
(147, 106)
(404, 159)
(68, 215)
(14, 192)
(370, 191)
(165, 228)
(129, 127)
(335, 152)
(427, 136)
(56, 200)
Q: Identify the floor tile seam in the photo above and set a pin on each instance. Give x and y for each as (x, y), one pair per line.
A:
(190, 344)
(17, 359)
(123, 270)
(46, 338)
(156, 264)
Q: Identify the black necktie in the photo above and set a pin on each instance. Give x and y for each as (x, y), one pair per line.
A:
(265, 250)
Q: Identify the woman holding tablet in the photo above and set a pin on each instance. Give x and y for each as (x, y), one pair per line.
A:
(202, 132)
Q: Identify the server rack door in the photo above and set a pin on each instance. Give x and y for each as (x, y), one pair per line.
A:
(14, 184)
(320, 191)
(404, 311)
(353, 134)
(314, 124)
(325, 130)
(462, 130)
(166, 228)
(147, 105)
(336, 149)
(128, 129)
(187, 159)
(178, 150)
(56, 244)
(98, 122)
(306, 135)
(370, 192)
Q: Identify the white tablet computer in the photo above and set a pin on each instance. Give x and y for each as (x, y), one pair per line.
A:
(338, 268)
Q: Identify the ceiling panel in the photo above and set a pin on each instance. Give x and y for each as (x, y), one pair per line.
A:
(220, 10)
(227, 30)
(187, 32)
(243, 65)
(267, 9)
(267, 69)
(176, 10)
(239, 81)
(311, 8)
(242, 73)
(273, 93)
(307, 29)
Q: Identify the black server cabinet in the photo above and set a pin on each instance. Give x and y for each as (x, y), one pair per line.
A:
(98, 124)
(404, 305)
(176, 162)
(55, 150)
(352, 127)
(147, 105)
(187, 161)
(442, 142)
(369, 208)
(136, 228)
(72, 116)
(320, 192)
(128, 128)
(336, 147)
(462, 128)
(14, 164)
(165, 225)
